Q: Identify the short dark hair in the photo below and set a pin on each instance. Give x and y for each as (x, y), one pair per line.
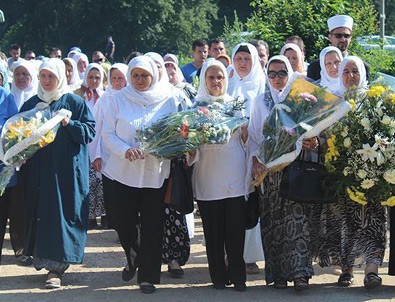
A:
(257, 42)
(15, 47)
(215, 41)
(132, 55)
(198, 43)
(296, 40)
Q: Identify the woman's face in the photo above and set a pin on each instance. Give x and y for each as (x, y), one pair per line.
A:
(22, 78)
(172, 73)
(293, 58)
(117, 79)
(141, 79)
(243, 63)
(69, 73)
(93, 79)
(81, 65)
(160, 69)
(48, 80)
(351, 75)
(278, 75)
(215, 81)
(332, 63)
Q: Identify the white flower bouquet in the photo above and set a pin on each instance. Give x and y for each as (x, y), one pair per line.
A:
(361, 148)
(25, 133)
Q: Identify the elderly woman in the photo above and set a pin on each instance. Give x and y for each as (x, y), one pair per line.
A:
(285, 223)
(56, 180)
(218, 183)
(73, 78)
(295, 57)
(176, 78)
(139, 179)
(24, 83)
(97, 152)
(247, 82)
(330, 59)
(82, 62)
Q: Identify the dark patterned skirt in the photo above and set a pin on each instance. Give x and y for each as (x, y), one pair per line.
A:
(286, 234)
(96, 199)
(348, 234)
(176, 243)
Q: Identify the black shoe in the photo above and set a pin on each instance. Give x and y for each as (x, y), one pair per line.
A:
(147, 288)
(372, 280)
(128, 274)
(240, 287)
(219, 286)
(104, 222)
(92, 224)
(177, 273)
(25, 260)
(301, 283)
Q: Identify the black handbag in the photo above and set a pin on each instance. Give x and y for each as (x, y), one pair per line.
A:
(306, 182)
(179, 194)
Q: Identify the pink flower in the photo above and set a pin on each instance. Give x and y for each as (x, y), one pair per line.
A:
(308, 97)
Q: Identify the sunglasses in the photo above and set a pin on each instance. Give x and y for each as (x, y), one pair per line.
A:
(281, 74)
(30, 58)
(339, 36)
(98, 60)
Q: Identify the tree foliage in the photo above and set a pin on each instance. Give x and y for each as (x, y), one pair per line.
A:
(143, 25)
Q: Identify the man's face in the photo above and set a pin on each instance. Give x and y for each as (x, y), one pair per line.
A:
(56, 54)
(263, 55)
(15, 54)
(217, 49)
(200, 54)
(340, 37)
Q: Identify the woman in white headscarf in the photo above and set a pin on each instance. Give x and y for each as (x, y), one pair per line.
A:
(176, 78)
(56, 180)
(82, 62)
(248, 81)
(139, 179)
(285, 223)
(330, 60)
(295, 57)
(352, 72)
(219, 188)
(98, 154)
(72, 75)
(25, 81)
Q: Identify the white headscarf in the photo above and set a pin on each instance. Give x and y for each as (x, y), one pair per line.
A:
(91, 66)
(180, 75)
(122, 68)
(158, 59)
(203, 95)
(252, 84)
(75, 81)
(330, 84)
(273, 91)
(363, 83)
(296, 48)
(81, 56)
(170, 56)
(58, 68)
(156, 93)
(21, 96)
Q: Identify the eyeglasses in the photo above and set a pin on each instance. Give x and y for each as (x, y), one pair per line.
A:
(339, 36)
(30, 58)
(281, 74)
(98, 60)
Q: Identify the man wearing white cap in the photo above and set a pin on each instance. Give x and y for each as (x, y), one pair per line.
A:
(340, 32)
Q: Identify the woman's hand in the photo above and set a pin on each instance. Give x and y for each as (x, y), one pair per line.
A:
(65, 121)
(310, 143)
(97, 165)
(257, 167)
(133, 154)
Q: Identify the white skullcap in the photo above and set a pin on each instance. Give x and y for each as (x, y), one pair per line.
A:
(340, 21)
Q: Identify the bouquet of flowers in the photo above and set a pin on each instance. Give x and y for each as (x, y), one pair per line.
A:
(25, 133)
(304, 112)
(361, 148)
(184, 131)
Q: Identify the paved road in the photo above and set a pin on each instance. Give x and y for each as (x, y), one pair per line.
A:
(99, 279)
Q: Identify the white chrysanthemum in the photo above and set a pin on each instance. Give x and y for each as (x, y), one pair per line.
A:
(347, 142)
(386, 120)
(344, 133)
(365, 123)
(367, 183)
(362, 174)
(389, 176)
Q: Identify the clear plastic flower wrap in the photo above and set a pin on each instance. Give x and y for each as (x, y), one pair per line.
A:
(25, 133)
(184, 131)
(304, 112)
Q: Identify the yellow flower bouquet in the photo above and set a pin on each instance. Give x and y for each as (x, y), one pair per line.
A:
(25, 133)
(361, 148)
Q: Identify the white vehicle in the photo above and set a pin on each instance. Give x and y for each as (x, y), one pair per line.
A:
(374, 42)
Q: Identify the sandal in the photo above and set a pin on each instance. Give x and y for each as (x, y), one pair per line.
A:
(301, 283)
(345, 280)
(372, 280)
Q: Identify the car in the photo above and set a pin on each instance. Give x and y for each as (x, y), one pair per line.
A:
(374, 42)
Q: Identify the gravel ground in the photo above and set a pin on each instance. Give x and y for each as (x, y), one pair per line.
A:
(99, 279)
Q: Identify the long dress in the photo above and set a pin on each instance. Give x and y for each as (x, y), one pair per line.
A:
(56, 181)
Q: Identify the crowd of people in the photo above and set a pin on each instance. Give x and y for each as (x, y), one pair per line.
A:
(95, 167)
